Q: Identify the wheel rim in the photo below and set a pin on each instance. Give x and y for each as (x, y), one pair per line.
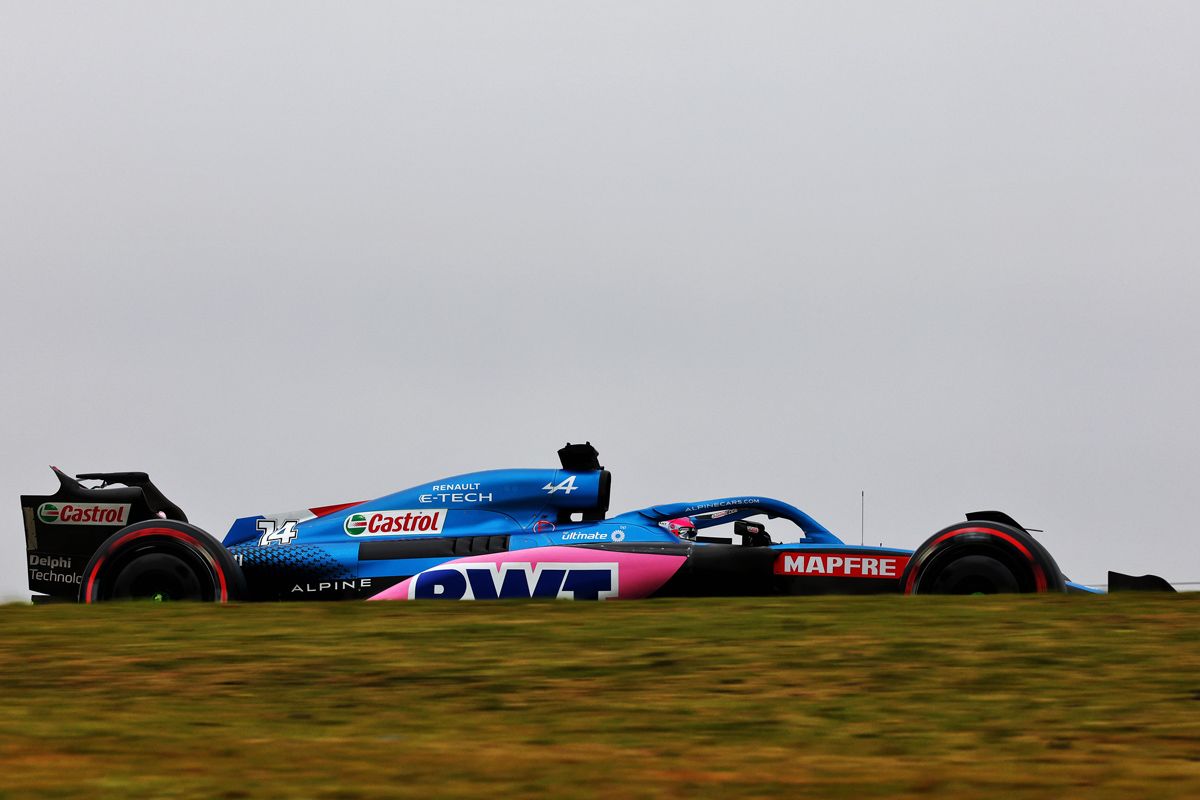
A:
(966, 584)
(158, 577)
(974, 575)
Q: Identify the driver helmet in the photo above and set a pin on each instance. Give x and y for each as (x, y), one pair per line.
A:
(683, 527)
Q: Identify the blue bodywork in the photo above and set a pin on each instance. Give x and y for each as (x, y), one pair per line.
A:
(532, 508)
(358, 549)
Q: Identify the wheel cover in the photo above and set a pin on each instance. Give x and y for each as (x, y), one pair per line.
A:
(975, 574)
(161, 577)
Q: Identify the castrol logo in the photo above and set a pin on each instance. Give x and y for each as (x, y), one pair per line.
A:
(84, 513)
(396, 523)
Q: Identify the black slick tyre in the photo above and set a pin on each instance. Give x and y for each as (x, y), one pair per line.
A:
(981, 557)
(161, 560)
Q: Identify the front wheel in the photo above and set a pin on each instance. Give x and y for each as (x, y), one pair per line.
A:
(981, 557)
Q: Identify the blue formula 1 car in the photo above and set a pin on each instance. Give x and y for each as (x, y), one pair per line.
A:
(500, 534)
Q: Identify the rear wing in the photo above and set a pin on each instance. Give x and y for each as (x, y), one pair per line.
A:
(64, 529)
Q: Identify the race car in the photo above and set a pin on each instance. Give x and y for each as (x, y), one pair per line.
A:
(500, 534)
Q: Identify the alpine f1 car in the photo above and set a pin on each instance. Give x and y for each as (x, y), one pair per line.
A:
(499, 534)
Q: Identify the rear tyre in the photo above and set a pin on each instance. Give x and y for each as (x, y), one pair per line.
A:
(977, 574)
(162, 560)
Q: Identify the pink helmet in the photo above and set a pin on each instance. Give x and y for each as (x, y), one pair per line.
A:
(683, 527)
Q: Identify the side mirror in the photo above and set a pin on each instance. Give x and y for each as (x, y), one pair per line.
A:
(753, 534)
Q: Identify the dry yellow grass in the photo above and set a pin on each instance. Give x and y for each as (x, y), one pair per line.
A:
(1025, 697)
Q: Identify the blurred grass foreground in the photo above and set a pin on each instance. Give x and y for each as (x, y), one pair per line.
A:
(1017, 696)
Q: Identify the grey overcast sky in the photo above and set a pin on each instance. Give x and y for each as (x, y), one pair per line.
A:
(282, 254)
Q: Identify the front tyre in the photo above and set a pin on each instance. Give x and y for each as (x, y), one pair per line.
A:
(981, 557)
(161, 560)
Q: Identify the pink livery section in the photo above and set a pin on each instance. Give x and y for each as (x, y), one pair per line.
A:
(569, 573)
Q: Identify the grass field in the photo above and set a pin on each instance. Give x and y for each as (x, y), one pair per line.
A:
(1025, 697)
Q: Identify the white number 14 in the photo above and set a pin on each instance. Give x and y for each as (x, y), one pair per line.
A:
(272, 534)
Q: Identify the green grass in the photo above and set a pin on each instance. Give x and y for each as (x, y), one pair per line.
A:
(1024, 697)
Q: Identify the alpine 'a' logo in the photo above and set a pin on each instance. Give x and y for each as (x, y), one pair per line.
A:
(566, 486)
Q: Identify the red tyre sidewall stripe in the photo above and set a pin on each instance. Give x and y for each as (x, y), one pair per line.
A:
(170, 534)
(92, 578)
(1039, 575)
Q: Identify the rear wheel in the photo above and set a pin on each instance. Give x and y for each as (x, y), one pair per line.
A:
(975, 574)
(162, 560)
